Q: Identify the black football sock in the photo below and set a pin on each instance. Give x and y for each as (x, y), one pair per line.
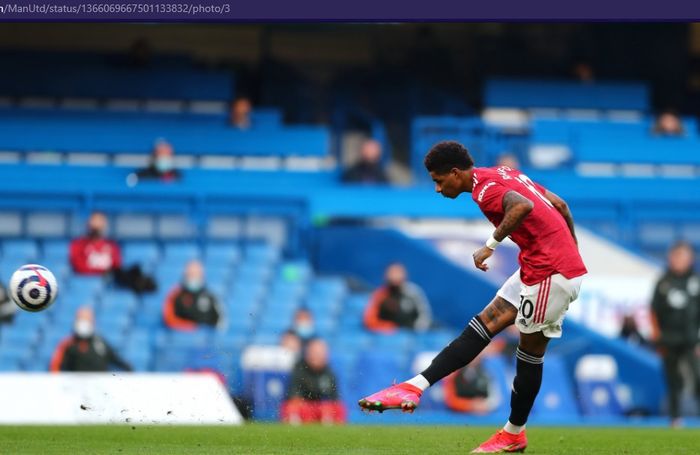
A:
(526, 386)
(459, 352)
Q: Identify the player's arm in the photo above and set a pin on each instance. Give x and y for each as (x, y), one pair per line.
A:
(563, 208)
(515, 208)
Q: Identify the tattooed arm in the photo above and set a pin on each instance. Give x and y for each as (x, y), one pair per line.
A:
(516, 208)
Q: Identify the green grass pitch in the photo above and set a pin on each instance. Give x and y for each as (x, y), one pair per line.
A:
(310, 440)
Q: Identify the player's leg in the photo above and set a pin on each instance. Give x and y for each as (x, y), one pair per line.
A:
(674, 383)
(497, 315)
(540, 316)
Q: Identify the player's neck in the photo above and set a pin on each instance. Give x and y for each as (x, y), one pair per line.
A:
(468, 181)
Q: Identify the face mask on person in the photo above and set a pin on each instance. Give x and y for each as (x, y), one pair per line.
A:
(194, 284)
(94, 233)
(164, 164)
(304, 329)
(84, 328)
(394, 288)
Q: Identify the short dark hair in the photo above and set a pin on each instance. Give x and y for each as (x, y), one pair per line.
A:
(446, 155)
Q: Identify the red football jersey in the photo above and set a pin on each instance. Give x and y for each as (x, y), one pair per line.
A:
(546, 244)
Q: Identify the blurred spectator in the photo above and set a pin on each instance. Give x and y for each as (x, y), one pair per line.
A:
(7, 306)
(291, 342)
(312, 395)
(140, 54)
(508, 160)
(94, 253)
(583, 72)
(162, 165)
(239, 116)
(630, 332)
(471, 389)
(668, 123)
(397, 304)
(85, 350)
(303, 325)
(676, 319)
(190, 304)
(368, 169)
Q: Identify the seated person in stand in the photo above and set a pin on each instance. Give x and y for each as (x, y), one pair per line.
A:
(239, 116)
(303, 325)
(470, 389)
(312, 395)
(368, 169)
(668, 123)
(397, 304)
(85, 351)
(94, 253)
(190, 304)
(162, 165)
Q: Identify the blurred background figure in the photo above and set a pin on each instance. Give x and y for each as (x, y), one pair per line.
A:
(84, 350)
(303, 325)
(668, 123)
(471, 389)
(399, 303)
(368, 168)
(94, 253)
(7, 306)
(312, 395)
(630, 332)
(190, 304)
(508, 160)
(162, 165)
(291, 342)
(140, 54)
(239, 116)
(583, 71)
(676, 313)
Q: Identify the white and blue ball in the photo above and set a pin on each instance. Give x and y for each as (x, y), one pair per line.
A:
(33, 287)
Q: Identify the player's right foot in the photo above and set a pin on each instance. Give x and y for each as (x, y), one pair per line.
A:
(503, 442)
(402, 396)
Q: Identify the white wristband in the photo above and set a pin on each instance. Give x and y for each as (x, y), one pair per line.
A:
(492, 243)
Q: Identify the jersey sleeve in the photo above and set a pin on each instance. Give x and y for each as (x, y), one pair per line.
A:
(490, 196)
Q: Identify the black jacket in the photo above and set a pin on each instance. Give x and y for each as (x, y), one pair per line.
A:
(313, 385)
(676, 304)
(90, 354)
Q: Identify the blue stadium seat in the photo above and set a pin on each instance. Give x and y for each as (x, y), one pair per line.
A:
(47, 225)
(56, 249)
(225, 253)
(181, 251)
(145, 253)
(556, 396)
(85, 284)
(21, 251)
(118, 300)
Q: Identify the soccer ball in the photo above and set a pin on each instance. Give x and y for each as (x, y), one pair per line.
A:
(33, 287)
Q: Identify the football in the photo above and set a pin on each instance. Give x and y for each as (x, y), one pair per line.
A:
(33, 287)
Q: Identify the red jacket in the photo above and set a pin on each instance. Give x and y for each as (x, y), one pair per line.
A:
(94, 256)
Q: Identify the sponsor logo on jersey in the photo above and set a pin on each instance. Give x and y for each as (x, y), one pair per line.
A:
(483, 190)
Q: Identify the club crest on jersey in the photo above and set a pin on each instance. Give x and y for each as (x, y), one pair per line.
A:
(483, 190)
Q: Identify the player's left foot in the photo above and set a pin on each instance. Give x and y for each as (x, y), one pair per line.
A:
(402, 396)
(503, 442)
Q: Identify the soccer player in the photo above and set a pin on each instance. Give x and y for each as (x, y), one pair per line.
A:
(535, 297)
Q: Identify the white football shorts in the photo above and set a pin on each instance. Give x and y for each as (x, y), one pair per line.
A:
(542, 306)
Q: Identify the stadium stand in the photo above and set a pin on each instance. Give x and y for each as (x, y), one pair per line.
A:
(87, 125)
